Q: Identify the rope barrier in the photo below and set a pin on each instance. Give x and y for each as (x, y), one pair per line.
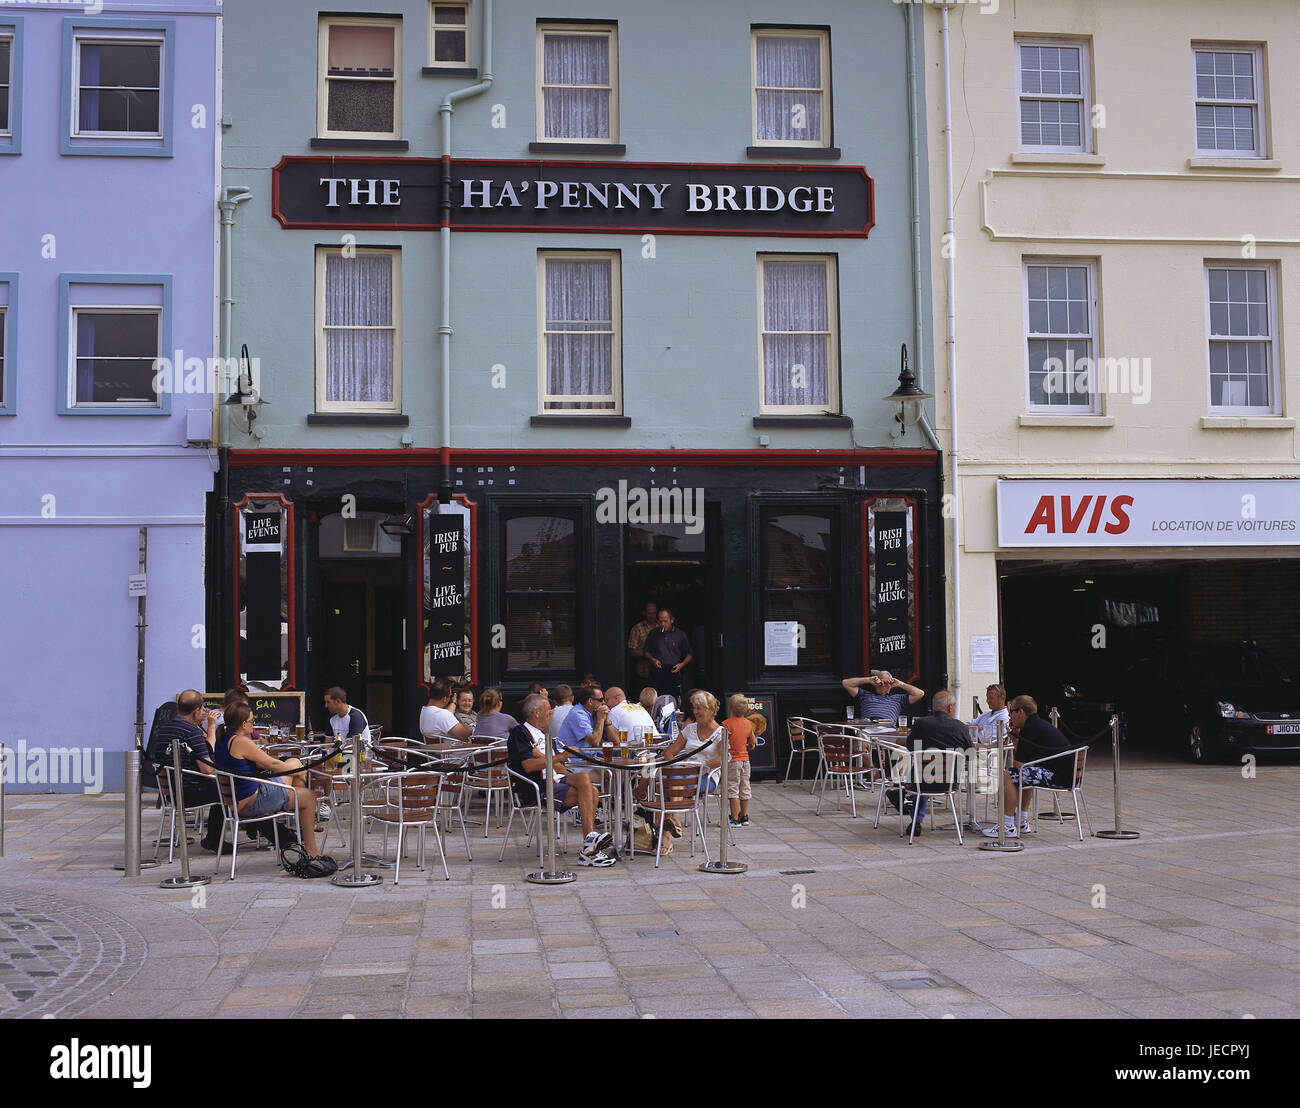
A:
(1076, 737)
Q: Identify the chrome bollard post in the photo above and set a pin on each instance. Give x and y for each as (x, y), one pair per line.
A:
(132, 863)
(3, 755)
(184, 881)
(355, 878)
(131, 829)
(1118, 832)
(722, 865)
(1002, 844)
(550, 875)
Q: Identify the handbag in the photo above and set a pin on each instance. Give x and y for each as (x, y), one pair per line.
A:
(296, 861)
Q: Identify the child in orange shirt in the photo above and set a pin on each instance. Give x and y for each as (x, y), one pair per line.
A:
(742, 740)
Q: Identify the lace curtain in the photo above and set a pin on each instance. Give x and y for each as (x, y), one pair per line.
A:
(795, 301)
(359, 331)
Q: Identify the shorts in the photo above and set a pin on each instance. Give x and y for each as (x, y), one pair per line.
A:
(1033, 777)
(738, 781)
(269, 799)
(561, 794)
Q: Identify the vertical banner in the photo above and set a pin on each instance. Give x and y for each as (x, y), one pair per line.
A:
(891, 615)
(263, 550)
(444, 596)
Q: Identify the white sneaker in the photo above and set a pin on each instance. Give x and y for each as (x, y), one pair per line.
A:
(598, 860)
(596, 842)
(1008, 830)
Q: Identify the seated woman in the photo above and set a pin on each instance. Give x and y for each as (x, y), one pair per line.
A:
(236, 751)
(493, 723)
(704, 730)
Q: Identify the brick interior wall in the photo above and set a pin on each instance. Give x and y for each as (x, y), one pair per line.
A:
(1246, 600)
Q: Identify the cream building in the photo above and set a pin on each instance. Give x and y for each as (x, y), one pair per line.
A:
(1124, 346)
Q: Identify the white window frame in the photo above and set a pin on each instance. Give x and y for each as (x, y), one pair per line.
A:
(1083, 99)
(8, 36)
(323, 404)
(1093, 335)
(100, 310)
(609, 32)
(833, 401)
(434, 27)
(323, 78)
(1271, 341)
(127, 38)
(1256, 105)
(824, 37)
(555, 403)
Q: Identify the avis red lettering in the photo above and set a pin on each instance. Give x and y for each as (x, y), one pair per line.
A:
(1072, 515)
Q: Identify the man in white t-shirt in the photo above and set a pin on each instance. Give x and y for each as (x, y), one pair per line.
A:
(344, 720)
(437, 721)
(987, 722)
(626, 715)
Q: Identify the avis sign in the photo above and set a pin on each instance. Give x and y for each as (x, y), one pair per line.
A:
(1137, 513)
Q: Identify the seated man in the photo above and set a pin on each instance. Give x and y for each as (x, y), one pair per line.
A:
(881, 695)
(187, 727)
(437, 720)
(527, 757)
(586, 726)
(1034, 738)
(940, 730)
(626, 715)
(344, 720)
(987, 722)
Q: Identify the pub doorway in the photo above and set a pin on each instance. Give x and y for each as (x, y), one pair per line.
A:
(356, 619)
(666, 564)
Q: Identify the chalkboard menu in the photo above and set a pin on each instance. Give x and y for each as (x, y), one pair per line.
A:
(270, 709)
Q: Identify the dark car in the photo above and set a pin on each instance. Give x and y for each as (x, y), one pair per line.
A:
(1215, 700)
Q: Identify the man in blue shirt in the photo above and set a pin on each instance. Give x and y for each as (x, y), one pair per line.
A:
(881, 695)
(668, 651)
(586, 723)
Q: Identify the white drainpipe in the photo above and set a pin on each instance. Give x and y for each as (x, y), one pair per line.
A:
(953, 487)
(231, 197)
(445, 110)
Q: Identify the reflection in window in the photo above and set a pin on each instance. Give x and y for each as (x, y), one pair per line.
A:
(797, 581)
(541, 592)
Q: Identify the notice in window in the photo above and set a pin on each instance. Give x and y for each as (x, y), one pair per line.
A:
(781, 642)
(984, 653)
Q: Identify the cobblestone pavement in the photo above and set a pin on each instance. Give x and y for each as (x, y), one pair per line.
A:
(1200, 917)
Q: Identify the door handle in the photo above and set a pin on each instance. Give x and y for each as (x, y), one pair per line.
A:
(356, 666)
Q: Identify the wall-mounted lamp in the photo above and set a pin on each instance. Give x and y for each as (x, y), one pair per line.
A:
(398, 526)
(908, 396)
(245, 396)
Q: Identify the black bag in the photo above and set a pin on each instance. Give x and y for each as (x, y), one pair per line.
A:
(296, 861)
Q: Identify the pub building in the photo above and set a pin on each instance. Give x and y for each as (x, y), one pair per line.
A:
(542, 326)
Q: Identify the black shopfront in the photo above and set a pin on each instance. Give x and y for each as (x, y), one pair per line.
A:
(788, 573)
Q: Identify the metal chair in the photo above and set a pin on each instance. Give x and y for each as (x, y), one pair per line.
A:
(412, 799)
(932, 774)
(491, 781)
(677, 790)
(523, 789)
(1075, 789)
(844, 756)
(230, 816)
(802, 733)
(169, 811)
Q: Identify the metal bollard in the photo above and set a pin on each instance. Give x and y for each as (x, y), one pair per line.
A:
(1002, 844)
(550, 875)
(3, 755)
(1118, 832)
(722, 865)
(131, 831)
(1056, 717)
(356, 878)
(184, 881)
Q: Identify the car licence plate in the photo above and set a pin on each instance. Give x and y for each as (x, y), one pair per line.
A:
(1284, 728)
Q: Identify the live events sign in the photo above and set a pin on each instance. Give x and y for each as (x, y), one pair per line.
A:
(604, 197)
(1146, 513)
